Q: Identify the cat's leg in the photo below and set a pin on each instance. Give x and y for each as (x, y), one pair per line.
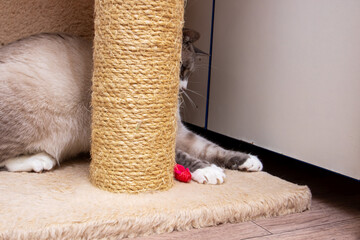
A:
(27, 163)
(201, 171)
(201, 148)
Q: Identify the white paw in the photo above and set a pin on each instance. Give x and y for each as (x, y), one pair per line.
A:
(37, 163)
(209, 175)
(252, 164)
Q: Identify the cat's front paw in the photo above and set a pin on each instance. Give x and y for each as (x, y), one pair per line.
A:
(37, 163)
(244, 162)
(209, 175)
(252, 164)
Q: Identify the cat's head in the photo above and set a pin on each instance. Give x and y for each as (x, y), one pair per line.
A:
(188, 55)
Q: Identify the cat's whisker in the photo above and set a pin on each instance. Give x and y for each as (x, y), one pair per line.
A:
(190, 100)
(182, 102)
(192, 91)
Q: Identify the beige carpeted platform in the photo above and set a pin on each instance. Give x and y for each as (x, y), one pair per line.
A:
(62, 204)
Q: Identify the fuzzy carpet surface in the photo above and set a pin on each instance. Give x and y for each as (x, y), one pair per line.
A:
(62, 204)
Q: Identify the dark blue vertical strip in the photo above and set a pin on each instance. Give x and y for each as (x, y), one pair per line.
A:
(210, 61)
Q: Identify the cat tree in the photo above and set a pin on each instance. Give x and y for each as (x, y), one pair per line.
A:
(137, 53)
(136, 68)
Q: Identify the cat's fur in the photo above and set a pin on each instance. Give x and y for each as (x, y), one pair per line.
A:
(45, 114)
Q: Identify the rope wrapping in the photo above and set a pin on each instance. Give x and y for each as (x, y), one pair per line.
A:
(137, 54)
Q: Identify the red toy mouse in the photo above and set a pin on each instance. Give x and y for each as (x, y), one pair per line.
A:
(182, 174)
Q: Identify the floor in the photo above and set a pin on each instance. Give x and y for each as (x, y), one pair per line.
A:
(335, 211)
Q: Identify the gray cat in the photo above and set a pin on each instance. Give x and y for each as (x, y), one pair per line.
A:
(45, 113)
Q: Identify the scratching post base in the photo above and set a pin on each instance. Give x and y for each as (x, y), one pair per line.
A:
(75, 209)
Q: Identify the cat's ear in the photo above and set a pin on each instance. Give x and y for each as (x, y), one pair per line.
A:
(190, 36)
(200, 52)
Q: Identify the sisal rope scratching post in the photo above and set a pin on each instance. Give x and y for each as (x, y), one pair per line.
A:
(137, 53)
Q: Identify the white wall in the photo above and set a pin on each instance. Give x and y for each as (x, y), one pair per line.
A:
(286, 76)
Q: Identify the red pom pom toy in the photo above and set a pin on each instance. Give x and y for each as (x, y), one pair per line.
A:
(182, 174)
